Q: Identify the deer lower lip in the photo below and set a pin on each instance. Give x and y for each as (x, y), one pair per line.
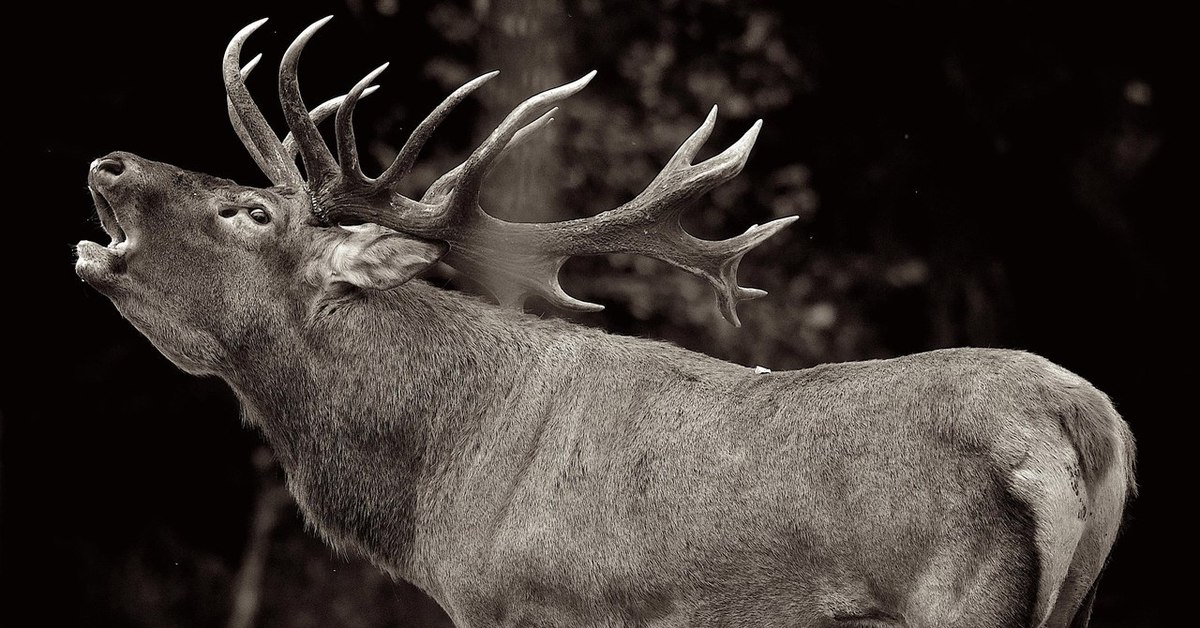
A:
(97, 262)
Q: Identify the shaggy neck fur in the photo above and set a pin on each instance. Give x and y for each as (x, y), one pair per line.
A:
(374, 412)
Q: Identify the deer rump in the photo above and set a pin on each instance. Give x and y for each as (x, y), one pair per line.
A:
(530, 472)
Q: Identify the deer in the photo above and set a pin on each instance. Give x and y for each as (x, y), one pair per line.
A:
(531, 471)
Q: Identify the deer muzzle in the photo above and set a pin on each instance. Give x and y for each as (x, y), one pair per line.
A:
(98, 264)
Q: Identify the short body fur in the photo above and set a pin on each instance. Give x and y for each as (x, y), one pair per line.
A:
(531, 472)
(528, 472)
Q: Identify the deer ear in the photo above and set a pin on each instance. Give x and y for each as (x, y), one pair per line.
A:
(380, 259)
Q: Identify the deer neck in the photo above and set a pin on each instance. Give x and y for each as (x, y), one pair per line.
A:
(368, 431)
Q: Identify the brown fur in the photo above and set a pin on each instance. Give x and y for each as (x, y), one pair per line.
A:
(533, 472)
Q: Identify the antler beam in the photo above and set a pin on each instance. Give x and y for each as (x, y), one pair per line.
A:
(528, 256)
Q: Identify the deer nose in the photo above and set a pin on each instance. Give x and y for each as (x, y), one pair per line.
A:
(110, 166)
(108, 170)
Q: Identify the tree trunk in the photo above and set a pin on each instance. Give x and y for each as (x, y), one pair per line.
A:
(526, 40)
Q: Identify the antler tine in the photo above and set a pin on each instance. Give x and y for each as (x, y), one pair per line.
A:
(658, 207)
(721, 260)
(687, 151)
(521, 137)
(319, 165)
(454, 197)
(445, 183)
(347, 151)
(470, 179)
(407, 156)
(681, 177)
(252, 128)
(318, 115)
(239, 128)
(527, 257)
(424, 214)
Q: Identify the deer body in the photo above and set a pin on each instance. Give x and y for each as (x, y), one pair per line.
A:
(546, 474)
(536, 473)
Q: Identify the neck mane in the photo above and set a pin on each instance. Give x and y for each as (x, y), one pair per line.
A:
(372, 408)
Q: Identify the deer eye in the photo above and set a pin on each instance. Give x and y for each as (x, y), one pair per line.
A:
(259, 215)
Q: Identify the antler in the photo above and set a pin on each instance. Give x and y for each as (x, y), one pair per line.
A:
(276, 159)
(525, 256)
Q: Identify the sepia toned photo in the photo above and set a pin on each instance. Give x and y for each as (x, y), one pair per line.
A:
(574, 313)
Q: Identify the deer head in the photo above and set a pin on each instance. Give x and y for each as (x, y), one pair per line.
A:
(201, 264)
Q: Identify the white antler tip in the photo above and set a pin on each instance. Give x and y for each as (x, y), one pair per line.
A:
(580, 82)
(249, 67)
(759, 233)
(477, 81)
(312, 29)
(774, 226)
(749, 138)
(374, 74)
(244, 34)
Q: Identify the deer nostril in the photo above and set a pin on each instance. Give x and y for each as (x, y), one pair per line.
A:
(112, 166)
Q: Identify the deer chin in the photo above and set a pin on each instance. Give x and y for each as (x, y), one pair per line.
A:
(100, 266)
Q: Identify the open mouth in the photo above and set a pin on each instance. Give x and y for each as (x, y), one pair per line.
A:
(103, 266)
(110, 224)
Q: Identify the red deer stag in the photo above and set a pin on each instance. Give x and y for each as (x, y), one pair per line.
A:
(528, 472)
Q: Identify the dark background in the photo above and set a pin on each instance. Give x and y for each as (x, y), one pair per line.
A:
(1000, 177)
